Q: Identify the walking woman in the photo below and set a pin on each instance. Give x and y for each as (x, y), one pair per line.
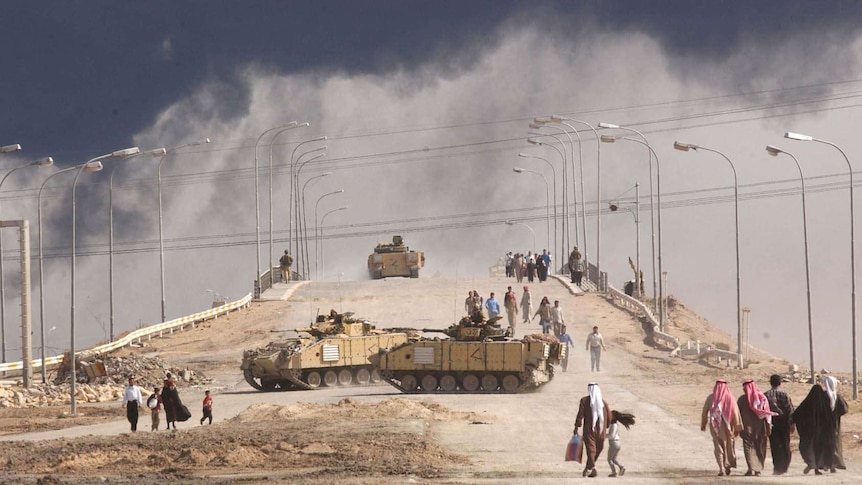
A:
(544, 313)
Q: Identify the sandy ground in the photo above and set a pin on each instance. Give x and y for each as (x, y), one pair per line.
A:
(374, 434)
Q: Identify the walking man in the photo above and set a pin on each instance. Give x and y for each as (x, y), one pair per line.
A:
(756, 426)
(782, 426)
(131, 400)
(557, 318)
(595, 344)
(721, 413)
(565, 339)
(492, 306)
(594, 415)
(510, 303)
(527, 304)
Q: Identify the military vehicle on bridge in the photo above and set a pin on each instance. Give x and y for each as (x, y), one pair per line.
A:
(395, 259)
(334, 351)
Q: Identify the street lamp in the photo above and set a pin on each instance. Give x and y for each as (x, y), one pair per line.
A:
(554, 180)
(322, 253)
(689, 146)
(611, 139)
(10, 148)
(42, 162)
(528, 227)
(293, 194)
(317, 226)
(95, 167)
(540, 122)
(292, 124)
(565, 237)
(800, 137)
(547, 199)
(533, 141)
(636, 214)
(127, 152)
(157, 153)
(161, 229)
(301, 226)
(775, 151)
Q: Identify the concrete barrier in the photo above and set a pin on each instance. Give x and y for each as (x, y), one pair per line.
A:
(639, 307)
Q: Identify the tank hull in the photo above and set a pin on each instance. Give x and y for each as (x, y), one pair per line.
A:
(403, 264)
(451, 366)
(299, 364)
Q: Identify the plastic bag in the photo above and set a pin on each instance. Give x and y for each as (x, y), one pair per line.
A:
(574, 449)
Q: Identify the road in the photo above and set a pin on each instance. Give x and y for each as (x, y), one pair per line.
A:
(521, 438)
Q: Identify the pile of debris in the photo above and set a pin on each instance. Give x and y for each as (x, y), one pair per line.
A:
(112, 370)
(57, 395)
(795, 374)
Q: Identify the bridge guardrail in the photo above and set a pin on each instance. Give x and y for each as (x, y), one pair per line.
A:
(137, 335)
(637, 305)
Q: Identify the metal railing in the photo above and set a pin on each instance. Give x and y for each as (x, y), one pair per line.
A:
(636, 306)
(138, 335)
(270, 278)
(597, 278)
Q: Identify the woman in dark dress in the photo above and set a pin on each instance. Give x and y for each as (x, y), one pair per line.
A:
(815, 423)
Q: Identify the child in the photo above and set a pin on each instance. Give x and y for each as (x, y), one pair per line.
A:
(155, 405)
(567, 340)
(208, 407)
(617, 418)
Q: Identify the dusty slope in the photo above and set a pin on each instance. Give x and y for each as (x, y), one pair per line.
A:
(507, 439)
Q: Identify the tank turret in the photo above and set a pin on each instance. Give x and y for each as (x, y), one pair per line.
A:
(475, 328)
(338, 324)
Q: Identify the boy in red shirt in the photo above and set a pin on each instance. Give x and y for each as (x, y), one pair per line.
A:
(208, 407)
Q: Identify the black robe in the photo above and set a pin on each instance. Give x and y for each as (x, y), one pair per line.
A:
(815, 423)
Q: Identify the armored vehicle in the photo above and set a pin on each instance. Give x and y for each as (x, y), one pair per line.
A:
(334, 351)
(395, 259)
(478, 357)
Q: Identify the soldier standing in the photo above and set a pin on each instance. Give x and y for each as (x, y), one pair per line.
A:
(285, 263)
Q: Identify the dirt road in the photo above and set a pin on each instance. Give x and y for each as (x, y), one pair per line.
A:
(508, 438)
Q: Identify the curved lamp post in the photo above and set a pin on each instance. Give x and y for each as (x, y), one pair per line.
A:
(800, 137)
(562, 155)
(775, 151)
(510, 223)
(660, 299)
(539, 122)
(293, 194)
(317, 235)
(547, 198)
(689, 146)
(161, 228)
(127, 152)
(42, 162)
(322, 253)
(94, 167)
(565, 236)
(636, 214)
(157, 153)
(292, 124)
(300, 204)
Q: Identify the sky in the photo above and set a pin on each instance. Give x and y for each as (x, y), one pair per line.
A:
(426, 106)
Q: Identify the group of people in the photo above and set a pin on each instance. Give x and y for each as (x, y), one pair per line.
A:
(598, 423)
(166, 398)
(758, 417)
(530, 266)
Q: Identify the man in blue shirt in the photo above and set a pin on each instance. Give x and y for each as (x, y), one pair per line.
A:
(567, 340)
(492, 306)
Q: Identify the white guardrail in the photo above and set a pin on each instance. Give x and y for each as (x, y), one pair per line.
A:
(634, 304)
(138, 335)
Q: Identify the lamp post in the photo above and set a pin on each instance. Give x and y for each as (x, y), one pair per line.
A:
(553, 178)
(689, 146)
(294, 193)
(545, 122)
(93, 168)
(562, 155)
(800, 137)
(301, 227)
(42, 162)
(127, 152)
(322, 252)
(775, 151)
(659, 306)
(636, 214)
(565, 237)
(271, 185)
(292, 124)
(547, 199)
(525, 225)
(161, 227)
(317, 227)
(157, 153)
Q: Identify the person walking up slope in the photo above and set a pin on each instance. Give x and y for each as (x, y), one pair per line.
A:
(782, 426)
(721, 413)
(756, 426)
(132, 398)
(527, 304)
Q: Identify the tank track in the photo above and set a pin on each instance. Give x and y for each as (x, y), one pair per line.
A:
(525, 378)
(293, 380)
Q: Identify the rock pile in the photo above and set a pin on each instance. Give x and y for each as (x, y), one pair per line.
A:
(54, 395)
(148, 372)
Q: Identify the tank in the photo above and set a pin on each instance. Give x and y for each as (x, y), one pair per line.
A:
(395, 259)
(477, 357)
(333, 351)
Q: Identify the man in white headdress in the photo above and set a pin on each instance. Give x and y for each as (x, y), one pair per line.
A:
(838, 405)
(595, 416)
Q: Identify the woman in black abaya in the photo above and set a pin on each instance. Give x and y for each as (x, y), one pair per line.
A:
(815, 423)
